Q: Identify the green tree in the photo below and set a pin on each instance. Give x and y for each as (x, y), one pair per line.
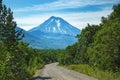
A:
(8, 33)
(76, 53)
(85, 39)
(105, 51)
(13, 63)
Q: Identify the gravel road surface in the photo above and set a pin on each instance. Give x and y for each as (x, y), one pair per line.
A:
(54, 72)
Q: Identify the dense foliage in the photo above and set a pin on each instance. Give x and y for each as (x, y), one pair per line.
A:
(105, 51)
(50, 56)
(98, 45)
(17, 60)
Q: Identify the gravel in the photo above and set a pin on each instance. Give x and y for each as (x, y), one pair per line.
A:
(54, 72)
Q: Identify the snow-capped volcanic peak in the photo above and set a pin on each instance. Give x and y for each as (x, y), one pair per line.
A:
(56, 25)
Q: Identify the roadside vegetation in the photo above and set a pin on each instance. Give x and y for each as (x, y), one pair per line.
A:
(94, 72)
(97, 52)
(17, 60)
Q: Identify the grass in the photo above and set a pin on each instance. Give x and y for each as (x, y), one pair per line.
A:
(35, 71)
(100, 75)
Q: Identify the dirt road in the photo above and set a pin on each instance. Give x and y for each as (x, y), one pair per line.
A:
(54, 72)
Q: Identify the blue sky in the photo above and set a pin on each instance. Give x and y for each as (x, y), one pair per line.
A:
(31, 13)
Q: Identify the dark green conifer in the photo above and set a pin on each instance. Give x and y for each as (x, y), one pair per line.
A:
(9, 35)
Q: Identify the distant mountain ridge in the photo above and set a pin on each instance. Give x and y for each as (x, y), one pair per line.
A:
(54, 33)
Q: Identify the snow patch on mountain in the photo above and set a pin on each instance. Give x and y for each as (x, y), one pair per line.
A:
(58, 23)
(54, 29)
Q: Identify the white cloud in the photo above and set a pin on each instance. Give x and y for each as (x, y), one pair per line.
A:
(78, 20)
(63, 4)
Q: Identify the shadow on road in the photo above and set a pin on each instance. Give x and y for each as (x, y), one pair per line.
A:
(40, 78)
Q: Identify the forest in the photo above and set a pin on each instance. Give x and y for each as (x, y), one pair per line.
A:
(98, 46)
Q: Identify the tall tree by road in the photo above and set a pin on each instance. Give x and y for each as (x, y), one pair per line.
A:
(8, 33)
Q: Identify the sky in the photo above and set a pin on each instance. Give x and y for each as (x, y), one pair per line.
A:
(31, 13)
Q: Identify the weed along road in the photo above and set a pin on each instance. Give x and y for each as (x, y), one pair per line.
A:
(54, 72)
